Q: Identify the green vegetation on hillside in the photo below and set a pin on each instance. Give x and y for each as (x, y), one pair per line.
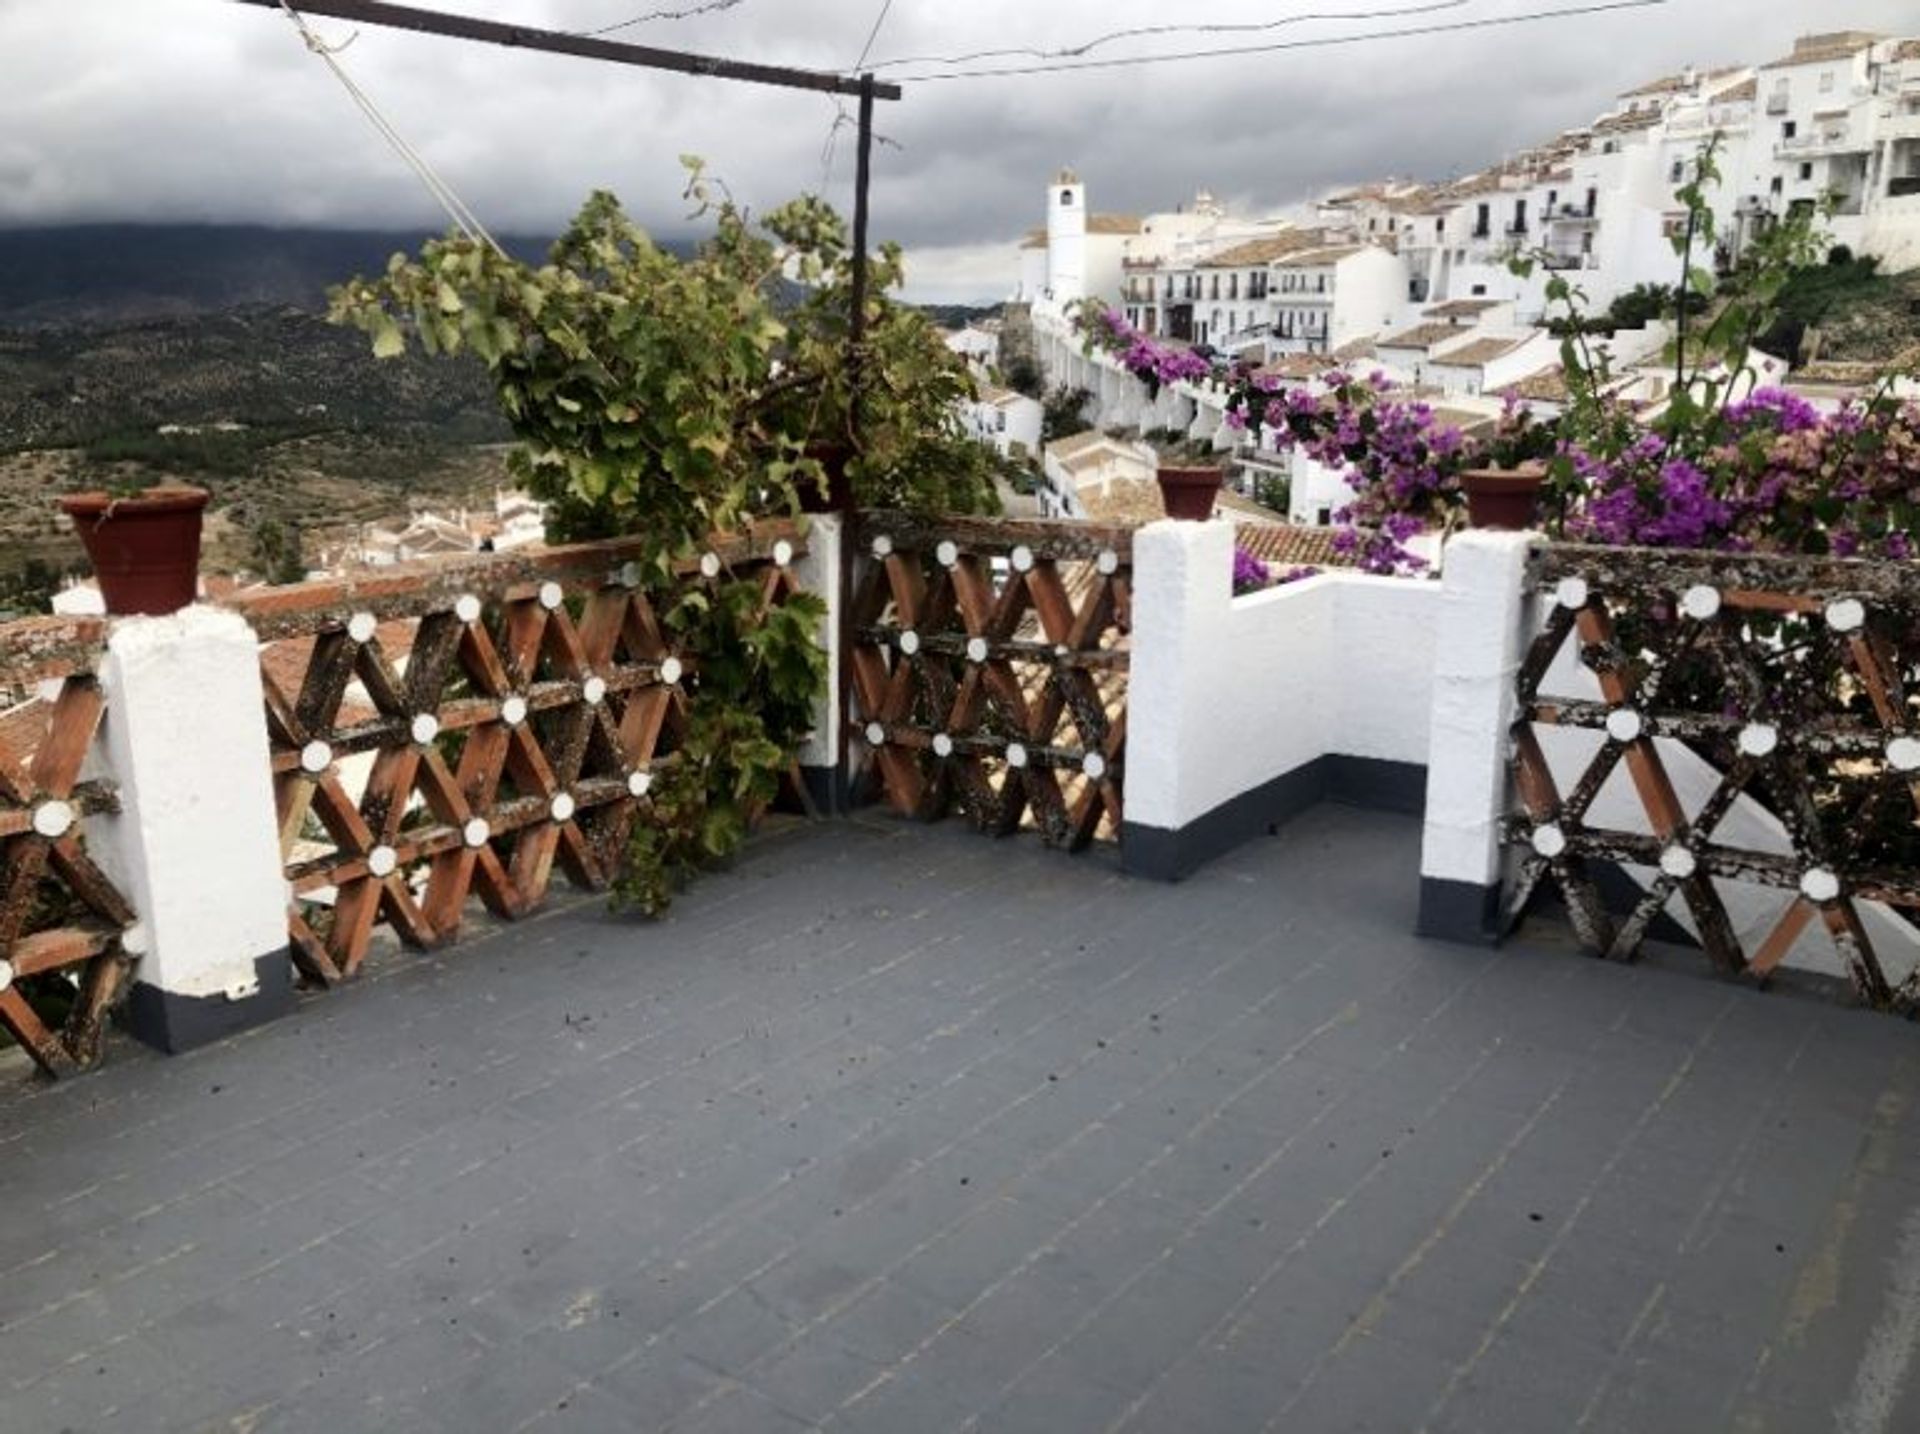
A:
(1862, 315)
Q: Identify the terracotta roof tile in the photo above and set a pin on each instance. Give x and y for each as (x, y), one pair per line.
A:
(1461, 308)
(1478, 352)
(1547, 385)
(1813, 49)
(1747, 89)
(1423, 336)
(1291, 545)
(1254, 252)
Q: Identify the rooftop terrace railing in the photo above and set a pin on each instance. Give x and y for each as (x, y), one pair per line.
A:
(63, 919)
(456, 730)
(989, 670)
(1765, 713)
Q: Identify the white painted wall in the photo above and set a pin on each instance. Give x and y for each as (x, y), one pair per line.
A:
(1228, 693)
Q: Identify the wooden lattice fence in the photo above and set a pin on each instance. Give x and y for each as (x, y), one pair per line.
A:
(989, 670)
(62, 919)
(458, 730)
(1797, 682)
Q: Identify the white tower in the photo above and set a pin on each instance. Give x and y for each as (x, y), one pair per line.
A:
(1066, 239)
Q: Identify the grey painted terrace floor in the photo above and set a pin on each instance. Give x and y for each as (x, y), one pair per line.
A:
(902, 1129)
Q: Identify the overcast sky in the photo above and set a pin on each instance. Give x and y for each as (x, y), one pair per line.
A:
(169, 110)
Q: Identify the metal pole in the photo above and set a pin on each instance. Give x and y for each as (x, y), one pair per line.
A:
(857, 320)
(844, 497)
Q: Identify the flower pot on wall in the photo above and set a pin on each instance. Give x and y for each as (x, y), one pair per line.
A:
(1189, 493)
(145, 549)
(1507, 498)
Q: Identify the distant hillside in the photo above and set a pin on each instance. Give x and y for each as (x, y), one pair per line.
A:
(111, 273)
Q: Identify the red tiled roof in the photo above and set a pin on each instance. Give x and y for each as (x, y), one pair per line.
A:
(1289, 545)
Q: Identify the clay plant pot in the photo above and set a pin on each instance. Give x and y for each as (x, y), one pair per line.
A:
(1505, 498)
(1189, 493)
(145, 549)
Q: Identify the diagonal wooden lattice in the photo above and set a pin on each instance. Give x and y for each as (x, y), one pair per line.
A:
(1794, 680)
(61, 918)
(989, 670)
(460, 731)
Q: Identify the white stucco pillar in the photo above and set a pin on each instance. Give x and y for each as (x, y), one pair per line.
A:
(1487, 618)
(1182, 588)
(195, 846)
(819, 572)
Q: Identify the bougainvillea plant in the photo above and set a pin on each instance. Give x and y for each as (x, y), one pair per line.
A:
(1720, 462)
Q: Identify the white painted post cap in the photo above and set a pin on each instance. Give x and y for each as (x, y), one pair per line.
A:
(382, 861)
(1549, 841)
(946, 553)
(476, 833)
(467, 608)
(1678, 862)
(1903, 754)
(882, 546)
(1846, 614)
(909, 642)
(783, 554)
(709, 565)
(1572, 593)
(362, 626)
(1700, 602)
(671, 671)
(425, 727)
(594, 690)
(315, 758)
(1624, 724)
(976, 649)
(942, 745)
(53, 819)
(1759, 739)
(1819, 885)
(1016, 754)
(513, 710)
(639, 784)
(562, 807)
(1094, 765)
(1021, 558)
(876, 735)
(1108, 563)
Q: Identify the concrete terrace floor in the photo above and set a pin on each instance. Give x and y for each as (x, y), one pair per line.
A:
(903, 1129)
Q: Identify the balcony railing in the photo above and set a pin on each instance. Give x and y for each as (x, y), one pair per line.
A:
(990, 670)
(1690, 696)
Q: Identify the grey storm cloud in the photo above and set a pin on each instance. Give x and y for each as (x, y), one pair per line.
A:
(171, 110)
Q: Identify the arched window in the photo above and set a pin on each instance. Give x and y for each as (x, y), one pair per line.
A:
(1066, 199)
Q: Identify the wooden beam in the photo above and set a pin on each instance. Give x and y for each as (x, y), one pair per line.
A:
(559, 42)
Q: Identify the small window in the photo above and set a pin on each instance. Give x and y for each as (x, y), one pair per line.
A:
(1788, 129)
(1440, 227)
(1479, 290)
(1806, 170)
(1774, 186)
(1066, 199)
(1679, 168)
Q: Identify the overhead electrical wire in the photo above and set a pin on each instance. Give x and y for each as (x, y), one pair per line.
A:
(1276, 46)
(1243, 27)
(709, 7)
(841, 119)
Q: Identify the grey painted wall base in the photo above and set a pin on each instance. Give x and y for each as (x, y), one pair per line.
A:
(829, 789)
(1167, 854)
(171, 1022)
(1458, 911)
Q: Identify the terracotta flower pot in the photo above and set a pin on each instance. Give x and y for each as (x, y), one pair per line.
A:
(1507, 498)
(145, 550)
(1189, 493)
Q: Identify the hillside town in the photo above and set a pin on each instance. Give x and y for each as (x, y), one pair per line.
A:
(1417, 281)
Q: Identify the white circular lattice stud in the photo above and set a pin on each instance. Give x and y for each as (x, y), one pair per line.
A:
(1571, 593)
(513, 711)
(562, 807)
(362, 626)
(476, 833)
(629, 575)
(942, 745)
(382, 860)
(551, 595)
(1021, 558)
(6, 974)
(1846, 614)
(1903, 754)
(467, 608)
(1700, 602)
(137, 941)
(876, 735)
(1678, 863)
(783, 554)
(882, 546)
(1549, 840)
(946, 553)
(709, 565)
(53, 820)
(1108, 563)
(594, 690)
(671, 671)
(1016, 754)
(315, 758)
(1819, 885)
(425, 728)
(1759, 739)
(976, 649)
(1094, 765)
(909, 642)
(1623, 724)
(639, 783)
